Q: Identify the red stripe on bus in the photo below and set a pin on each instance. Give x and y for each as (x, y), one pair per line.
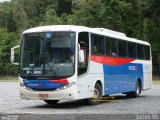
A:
(112, 61)
(63, 81)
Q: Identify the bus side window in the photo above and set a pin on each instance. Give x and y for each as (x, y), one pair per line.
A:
(83, 40)
(147, 52)
(131, 50)
(122, 48)
(98, 47)
(140, 51)
(111, 46)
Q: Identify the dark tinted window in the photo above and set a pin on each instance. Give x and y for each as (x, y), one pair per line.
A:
(122, 48)
(83, 40)
(131, 50)
(98, 47)
(111, 46)
(140, 51)
(147, 52)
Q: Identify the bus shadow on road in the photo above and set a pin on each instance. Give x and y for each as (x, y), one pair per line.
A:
(83, 103)
(64, 105)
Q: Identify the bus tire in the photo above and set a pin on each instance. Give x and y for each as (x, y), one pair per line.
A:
(51, 102)
(136, 93)
(97, 95)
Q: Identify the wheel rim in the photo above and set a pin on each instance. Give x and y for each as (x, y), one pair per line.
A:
(96, 94)
(138, 89)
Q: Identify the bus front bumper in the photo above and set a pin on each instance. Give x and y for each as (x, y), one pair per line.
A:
(66, 94)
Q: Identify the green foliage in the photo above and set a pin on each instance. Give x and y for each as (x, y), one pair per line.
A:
(20, 16)
(89, 14)
(7, 41)
(6, 16)
(136, 18)
(51, 17)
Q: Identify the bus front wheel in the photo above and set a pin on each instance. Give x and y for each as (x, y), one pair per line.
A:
(51, 102)
(96, 95)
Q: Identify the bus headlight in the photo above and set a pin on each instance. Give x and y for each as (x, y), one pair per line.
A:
(67, 86)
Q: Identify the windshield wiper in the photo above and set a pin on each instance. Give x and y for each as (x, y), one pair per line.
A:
(31, 66)
(49, 65)
(51, 68)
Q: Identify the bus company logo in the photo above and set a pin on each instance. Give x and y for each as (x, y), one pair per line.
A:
(133, 68)
(35, 85)
(40, 85)
(53, 85)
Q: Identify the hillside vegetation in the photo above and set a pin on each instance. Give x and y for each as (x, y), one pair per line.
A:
(136, 18)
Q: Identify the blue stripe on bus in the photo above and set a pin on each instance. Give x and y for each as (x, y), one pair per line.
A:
(122, 78)
(42, 84)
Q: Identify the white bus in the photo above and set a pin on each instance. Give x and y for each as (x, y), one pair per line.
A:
(67, 62)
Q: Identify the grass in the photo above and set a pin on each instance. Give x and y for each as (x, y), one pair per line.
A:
(8, 78)
(156, 81)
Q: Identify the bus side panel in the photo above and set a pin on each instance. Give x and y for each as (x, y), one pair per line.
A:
(120, 74)
(147, 73)
(122, 78)
(147, 76)
(87, 81)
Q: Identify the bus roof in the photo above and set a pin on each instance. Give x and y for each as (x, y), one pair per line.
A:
(100, 31)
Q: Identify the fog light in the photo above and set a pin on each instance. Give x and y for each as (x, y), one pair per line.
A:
(21, 84)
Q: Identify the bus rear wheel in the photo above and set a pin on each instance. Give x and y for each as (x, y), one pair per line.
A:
(51, 102)
(96, 95)
(136, 93)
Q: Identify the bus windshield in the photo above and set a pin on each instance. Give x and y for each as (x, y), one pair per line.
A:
(47, 54)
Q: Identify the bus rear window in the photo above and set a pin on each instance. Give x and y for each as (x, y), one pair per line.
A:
(147, 52)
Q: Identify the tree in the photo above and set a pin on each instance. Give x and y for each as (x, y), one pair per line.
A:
(136, 18)
(64, 6)
(50, 18)
(19, 16)
(7, 40)
(6, 16)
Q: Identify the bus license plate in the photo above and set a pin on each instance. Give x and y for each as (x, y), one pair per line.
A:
(43, 95)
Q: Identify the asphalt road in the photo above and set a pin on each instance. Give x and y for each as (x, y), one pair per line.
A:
(147, 104)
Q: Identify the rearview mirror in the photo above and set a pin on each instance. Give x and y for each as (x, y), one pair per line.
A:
(12, 58)
(81, 55)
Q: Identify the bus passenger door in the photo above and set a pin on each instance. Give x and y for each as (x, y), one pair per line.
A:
(83, 80)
